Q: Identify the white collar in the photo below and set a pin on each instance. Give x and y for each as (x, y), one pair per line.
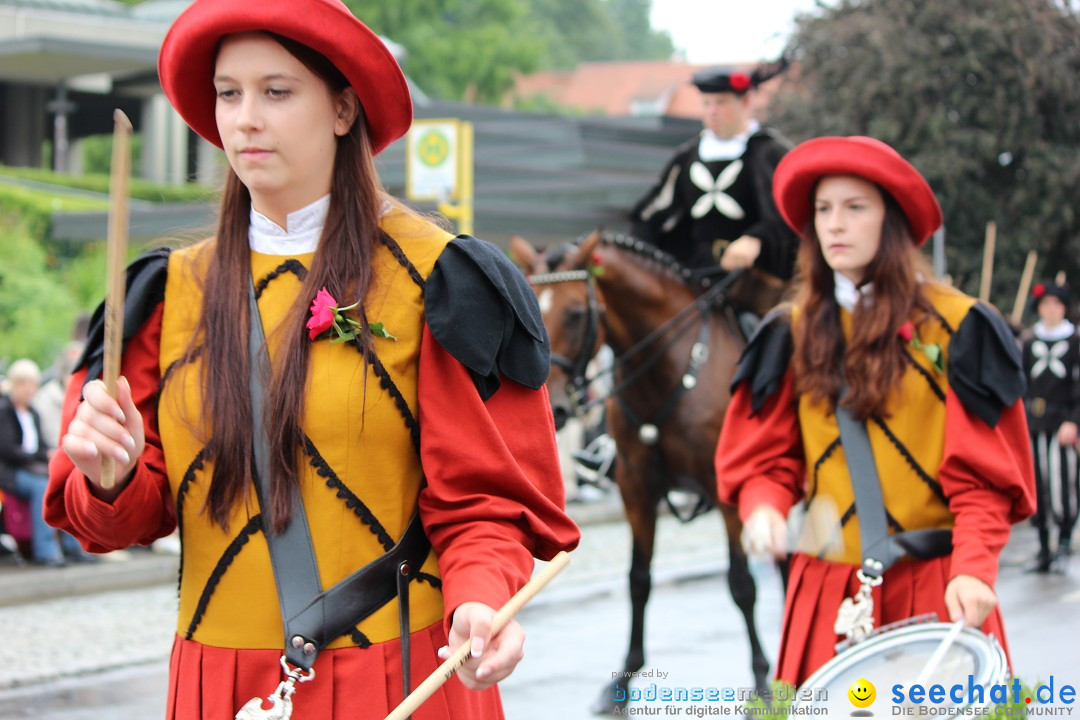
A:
(303, 233)
(1058, 332)
(713, 147)
(846, 292)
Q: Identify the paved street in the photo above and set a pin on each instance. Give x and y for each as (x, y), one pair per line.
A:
(576, 628)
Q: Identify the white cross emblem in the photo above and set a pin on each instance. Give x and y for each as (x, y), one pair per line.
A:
(714, 191)
(1049, 357)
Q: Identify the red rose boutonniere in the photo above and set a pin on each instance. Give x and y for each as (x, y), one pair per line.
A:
(329, 320)
(932, 351)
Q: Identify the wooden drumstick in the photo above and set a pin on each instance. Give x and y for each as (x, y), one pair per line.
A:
(443, 673)
(939, 653)
(115, 269)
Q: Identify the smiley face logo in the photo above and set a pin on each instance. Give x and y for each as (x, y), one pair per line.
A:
(862, 693)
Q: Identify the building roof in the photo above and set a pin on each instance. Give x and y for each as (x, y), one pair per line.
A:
(612, 88)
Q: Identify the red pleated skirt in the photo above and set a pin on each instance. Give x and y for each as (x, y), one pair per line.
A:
(817, 587)
(212, 683)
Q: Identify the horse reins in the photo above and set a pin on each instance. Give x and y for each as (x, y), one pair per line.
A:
(577, 366)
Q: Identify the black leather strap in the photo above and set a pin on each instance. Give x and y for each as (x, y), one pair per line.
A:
(313, 618)
(880, 549)
(292, 556)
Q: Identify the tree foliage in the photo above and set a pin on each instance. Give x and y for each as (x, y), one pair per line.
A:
(983, 96)
(472, 48)
(37, 311)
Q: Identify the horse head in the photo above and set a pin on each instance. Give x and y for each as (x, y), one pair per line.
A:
(573, 315)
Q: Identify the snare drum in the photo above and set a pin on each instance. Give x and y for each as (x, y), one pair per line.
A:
(898, 656)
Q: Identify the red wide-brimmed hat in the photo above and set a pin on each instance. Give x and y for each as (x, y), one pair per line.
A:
(865, 157)
(188, 54)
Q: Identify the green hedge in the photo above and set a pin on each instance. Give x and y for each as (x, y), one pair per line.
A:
(37, 310)
(139, 188)
(33, 209)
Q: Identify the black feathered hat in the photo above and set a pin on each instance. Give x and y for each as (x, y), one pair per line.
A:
(737, 80)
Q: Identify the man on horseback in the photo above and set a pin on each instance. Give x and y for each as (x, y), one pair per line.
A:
(713, 202)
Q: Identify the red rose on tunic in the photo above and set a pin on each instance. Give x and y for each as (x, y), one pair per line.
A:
(322, 314)
(907, 331)
(739, 81)
(1038, 291)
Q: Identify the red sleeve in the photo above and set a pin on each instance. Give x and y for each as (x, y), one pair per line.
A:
(759, 458)
(144, 510)
(494, 497)
(988, 476)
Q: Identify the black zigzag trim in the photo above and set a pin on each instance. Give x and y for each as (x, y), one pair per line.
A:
(181, 493)
(360, 639)
(848, 514)
(926, 375)
(253, 526)
(177, 363)
(941, 319)
(429, 579)
(817, 467)
(351, 500)
(403, 260)
(931, 482)
(893, 523)
(291, 265)
(387, 384)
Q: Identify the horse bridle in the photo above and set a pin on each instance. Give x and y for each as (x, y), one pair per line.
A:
(577, 367)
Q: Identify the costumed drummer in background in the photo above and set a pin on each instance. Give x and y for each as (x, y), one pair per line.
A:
(913, 357)
(1051, 350)
(713, 201)
(435, 410)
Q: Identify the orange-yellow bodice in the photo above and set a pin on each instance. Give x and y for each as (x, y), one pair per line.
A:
(908, 445)
(362, 453)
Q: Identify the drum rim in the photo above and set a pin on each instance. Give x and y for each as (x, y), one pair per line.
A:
(988, 646)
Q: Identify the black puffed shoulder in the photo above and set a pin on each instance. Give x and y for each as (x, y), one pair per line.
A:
(482, 311)
(766, 357)
(985, 368)
(146, 277)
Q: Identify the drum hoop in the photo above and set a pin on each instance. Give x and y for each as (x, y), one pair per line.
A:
(985, 646)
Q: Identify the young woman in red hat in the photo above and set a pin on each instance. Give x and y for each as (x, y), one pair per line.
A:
(340, 405)
(883, 400)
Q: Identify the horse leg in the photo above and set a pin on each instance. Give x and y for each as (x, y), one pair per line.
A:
(744, 593)
(642, 517)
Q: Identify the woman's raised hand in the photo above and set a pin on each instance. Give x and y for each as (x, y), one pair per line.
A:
(101, 427)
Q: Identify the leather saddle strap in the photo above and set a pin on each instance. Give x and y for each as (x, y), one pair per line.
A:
(314, 618)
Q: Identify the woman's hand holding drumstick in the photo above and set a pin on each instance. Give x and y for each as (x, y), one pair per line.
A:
(104, 427)
(501, 654)
(105, 438)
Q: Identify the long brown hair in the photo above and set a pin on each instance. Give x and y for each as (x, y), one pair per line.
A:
(342, 264)
(873, 361)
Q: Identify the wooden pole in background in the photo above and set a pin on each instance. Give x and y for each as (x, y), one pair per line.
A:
(1025, 287)
(988, 261)
(116, 262)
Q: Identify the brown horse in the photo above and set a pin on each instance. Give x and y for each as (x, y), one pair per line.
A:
(676, 350)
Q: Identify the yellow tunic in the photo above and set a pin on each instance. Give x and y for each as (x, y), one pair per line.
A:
(360, 442)
(908, 443)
